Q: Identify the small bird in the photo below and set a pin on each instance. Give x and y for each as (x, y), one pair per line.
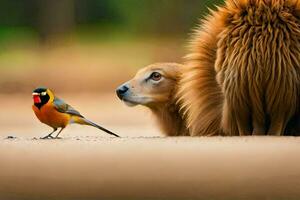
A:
(56, 113)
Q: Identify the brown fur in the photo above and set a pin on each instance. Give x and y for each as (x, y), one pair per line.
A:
(169, 119)
(159, 97)
(242, 75)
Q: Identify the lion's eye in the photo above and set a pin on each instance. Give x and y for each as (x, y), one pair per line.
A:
(43, 93)
(155, 76)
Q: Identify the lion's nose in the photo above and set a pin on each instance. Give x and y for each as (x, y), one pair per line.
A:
(121, 91)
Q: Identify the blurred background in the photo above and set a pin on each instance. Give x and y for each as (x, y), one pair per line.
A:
(84, 49)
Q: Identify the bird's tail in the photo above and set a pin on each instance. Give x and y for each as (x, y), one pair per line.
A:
(83, 121)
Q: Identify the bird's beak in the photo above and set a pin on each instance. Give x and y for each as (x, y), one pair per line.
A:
(36, 97)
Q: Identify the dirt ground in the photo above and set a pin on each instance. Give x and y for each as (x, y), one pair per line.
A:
(89, 167)
(88, 164)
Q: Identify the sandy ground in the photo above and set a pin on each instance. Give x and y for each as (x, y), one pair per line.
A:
(88, 164)
(150, 168)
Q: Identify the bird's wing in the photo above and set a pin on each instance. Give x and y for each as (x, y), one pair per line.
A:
(63, 107)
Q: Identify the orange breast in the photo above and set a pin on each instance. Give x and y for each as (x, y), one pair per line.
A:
(50, 116)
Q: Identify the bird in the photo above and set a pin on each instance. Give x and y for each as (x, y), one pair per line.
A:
(54, 112)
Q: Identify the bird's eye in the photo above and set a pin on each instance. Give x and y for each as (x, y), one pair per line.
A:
(155, 76)
(43, 93)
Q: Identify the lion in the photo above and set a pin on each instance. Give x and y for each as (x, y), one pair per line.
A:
(155, 87)
(242, 75)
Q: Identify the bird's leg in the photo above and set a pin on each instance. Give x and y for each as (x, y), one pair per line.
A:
(56, 137)
(50, 134)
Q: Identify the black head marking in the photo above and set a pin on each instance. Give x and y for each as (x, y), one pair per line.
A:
(44, 98)
(40, 90)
